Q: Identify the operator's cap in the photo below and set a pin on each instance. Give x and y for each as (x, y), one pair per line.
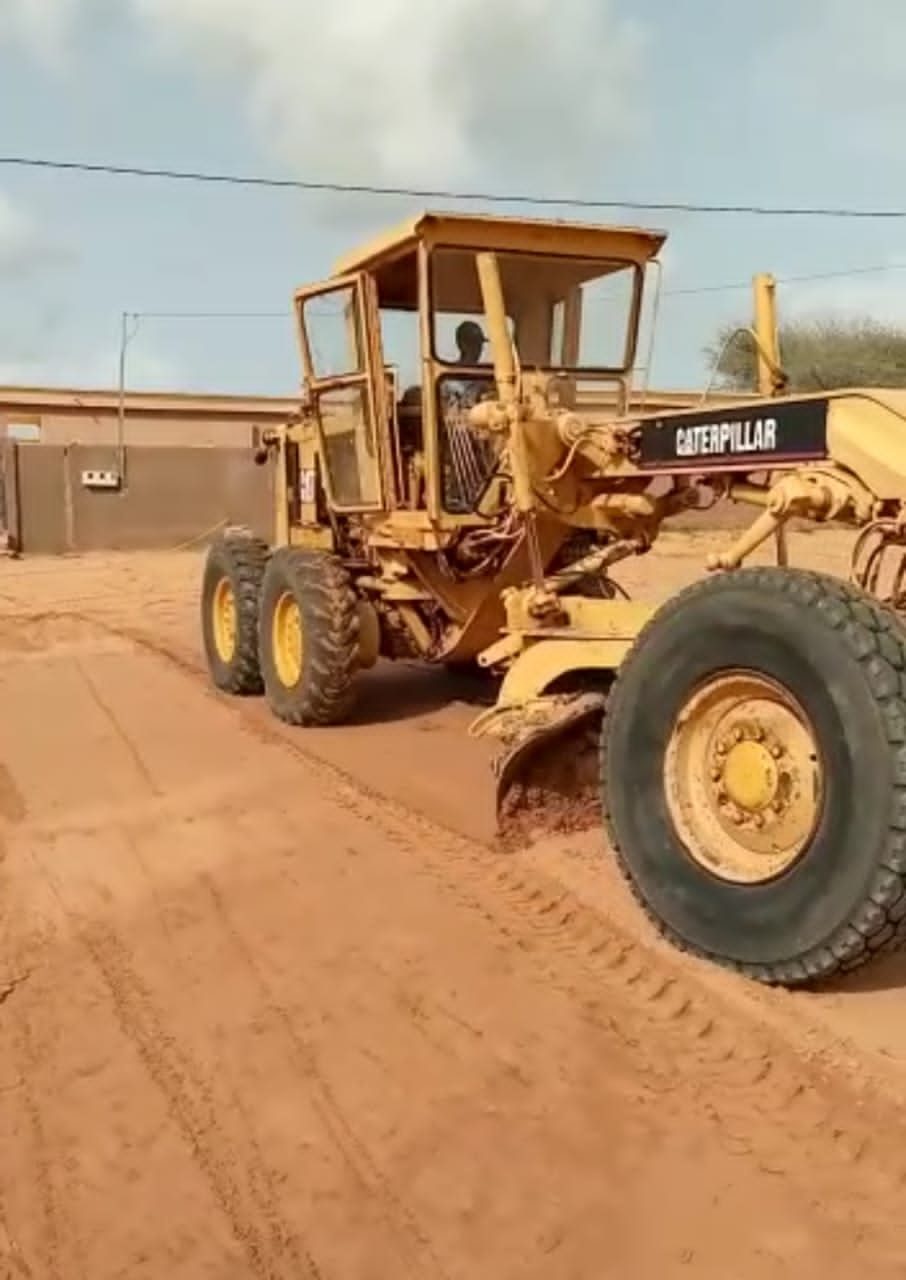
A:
(470, 329)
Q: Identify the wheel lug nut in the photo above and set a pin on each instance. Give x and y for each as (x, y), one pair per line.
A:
(737, 735)
(776, 751)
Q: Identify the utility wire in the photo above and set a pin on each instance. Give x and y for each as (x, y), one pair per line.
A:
(350, 188)
(730, 287)
(842, 273)
(212, 315)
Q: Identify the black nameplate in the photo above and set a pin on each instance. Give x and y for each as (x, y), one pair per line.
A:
(754, 436)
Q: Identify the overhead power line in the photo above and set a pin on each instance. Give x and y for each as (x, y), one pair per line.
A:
(839, 274)
(729, 287)
(210, 315)
(355, 188)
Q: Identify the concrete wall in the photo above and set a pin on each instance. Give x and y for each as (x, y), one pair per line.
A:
(172, 496)
(145, 429)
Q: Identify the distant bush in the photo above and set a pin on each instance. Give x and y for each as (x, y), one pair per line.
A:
(817, 355)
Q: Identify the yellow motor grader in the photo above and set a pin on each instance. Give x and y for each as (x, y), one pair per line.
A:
(469, 461)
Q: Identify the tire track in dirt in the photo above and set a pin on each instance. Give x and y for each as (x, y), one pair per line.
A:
(112, 719)
(26, 1056)
(523, 1072)
(683, 1077)
(12, 1264)
(194, 1109)
(271, 1251)
(12, 806)
(52, 1176)
(354, 1151)
(529, 888)
(711, 1040)
(589, 957)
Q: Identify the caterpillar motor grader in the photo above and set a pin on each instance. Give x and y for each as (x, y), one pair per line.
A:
(465, 501)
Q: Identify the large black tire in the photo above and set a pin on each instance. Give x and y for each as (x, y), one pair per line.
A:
(234, 567)
(843, 658)
(322, 690)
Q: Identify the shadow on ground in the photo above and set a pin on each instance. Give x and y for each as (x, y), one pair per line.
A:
(885, 974)
(403, 691)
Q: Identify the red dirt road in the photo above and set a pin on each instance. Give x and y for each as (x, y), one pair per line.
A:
(272, 1006)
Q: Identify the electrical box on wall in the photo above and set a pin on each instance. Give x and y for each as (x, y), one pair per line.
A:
(100, 480)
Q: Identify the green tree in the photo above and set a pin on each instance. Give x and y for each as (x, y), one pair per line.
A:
(816, 355)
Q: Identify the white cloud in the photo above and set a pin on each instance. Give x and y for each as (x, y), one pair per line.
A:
(50, 347)
(24, 247)
(527, 92)
(92, 368)
(441, 93)
(16, 235)
(42, 25)
(843, 61)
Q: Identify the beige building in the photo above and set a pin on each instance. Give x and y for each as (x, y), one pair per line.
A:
(74, 416)
(79, 470)
(70, 415)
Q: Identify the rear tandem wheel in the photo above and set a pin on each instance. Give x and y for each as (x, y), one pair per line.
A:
(231, 586)
(308, 637)
(753, 773)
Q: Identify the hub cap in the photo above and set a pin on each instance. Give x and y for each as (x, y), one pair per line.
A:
(224, 619)
(288, 642)
(743, 778)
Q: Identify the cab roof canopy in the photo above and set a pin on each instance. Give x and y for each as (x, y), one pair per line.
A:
(391, 257)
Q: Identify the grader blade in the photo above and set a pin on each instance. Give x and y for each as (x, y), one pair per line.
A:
(547, 776)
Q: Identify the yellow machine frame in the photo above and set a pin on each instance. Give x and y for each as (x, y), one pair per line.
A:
(518, 620)
(729, 727)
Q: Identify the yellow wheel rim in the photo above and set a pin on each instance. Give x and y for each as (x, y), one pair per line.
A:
(223, 608)
(743, 778)
(287, 640)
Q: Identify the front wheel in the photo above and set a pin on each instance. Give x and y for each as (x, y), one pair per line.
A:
(753, 772)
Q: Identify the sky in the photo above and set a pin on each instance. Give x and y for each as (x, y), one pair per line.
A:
(796, 103)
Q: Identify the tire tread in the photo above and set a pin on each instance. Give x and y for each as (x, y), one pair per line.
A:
(247, 556)
(331, 624)
(876, 641)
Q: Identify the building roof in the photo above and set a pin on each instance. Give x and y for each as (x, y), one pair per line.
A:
(62, 399)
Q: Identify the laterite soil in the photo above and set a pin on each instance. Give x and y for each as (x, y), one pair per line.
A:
(273, 1005)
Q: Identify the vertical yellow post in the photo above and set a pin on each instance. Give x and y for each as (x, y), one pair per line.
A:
(281, 495)
(505, 375)
(770, 379)
(431, 426)
(768, 345)
(495, 316)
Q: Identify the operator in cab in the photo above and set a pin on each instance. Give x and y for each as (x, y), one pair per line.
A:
(470, 343)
